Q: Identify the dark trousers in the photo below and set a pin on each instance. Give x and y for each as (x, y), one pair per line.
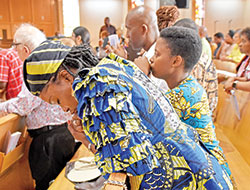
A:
(49, 152)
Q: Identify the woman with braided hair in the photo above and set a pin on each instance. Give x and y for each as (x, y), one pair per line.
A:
(132, 125)
(167, 16)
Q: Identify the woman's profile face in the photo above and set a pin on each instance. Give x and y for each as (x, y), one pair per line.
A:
(60, 92)
(236, 38)
(244, 45)
(228, 39)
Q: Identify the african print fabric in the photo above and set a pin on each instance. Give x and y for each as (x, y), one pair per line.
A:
(190, 102)
(205, 73)
(136, 130)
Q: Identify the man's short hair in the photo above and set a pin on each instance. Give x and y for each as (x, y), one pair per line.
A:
(184, 42)
(231, 33)
(219, 35)
(29, 35)
(188, 23)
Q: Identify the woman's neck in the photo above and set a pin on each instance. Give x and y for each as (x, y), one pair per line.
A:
(176, 79)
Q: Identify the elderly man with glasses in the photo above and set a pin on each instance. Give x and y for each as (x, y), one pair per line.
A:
(52, 144)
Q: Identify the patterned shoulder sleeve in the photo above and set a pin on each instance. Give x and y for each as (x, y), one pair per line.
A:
(112, 122)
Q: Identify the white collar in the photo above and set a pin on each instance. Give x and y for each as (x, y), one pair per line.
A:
(150, 53)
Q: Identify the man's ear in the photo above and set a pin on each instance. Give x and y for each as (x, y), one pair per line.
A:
(64, 75)
(178, 61)
(26, 50)
(144, 28)
(79, 39)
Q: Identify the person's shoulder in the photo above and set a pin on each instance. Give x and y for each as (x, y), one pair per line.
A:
(103, 27)
(9, 54)
(5, 52)
(112, 26)
(191, 85)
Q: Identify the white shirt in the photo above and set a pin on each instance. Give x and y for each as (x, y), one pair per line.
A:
(38, 113)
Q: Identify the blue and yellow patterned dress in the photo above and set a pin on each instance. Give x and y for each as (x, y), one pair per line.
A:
(190, 101)
(136, 131)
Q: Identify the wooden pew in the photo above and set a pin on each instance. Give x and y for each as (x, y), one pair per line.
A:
(234, 134)
(14, 167)
(225, 115)
(225, 65)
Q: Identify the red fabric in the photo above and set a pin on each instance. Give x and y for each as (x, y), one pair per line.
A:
(243, 59)
(243, 69)
(11, 72)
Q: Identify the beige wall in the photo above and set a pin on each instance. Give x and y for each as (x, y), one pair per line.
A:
(222, 15)
(184, 13)
(218, 14)
(93, 12)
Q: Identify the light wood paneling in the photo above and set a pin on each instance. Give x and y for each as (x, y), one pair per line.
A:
(20, 11)
(48, 29)
(44, 14)
(6, 27)
(43, 11)
(4, 11)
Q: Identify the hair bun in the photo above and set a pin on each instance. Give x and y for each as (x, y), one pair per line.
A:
(166, 16)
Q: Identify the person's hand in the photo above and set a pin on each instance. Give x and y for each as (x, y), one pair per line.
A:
(221, 77)
(142, 51)
(2, 114)
(228, 86)
(75, 128)
(143, 64)
(119, 50)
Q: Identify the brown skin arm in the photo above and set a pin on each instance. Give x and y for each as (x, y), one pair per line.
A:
(2, 89)
(143, 64)
(243, 84)
(219, 51)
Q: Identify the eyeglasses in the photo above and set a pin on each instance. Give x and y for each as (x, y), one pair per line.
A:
(15, 44)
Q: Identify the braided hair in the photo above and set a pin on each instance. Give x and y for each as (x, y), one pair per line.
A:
(166, 16)
(78, 58)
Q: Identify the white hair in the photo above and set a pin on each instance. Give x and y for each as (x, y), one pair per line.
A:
(29, 35)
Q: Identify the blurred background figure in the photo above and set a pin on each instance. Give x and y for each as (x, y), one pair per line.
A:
(227, 46)
(235, 55)
(67, 41)
(167, 16)
(107, 27)
(11, 73)
(103, 41)
(81, 35)
(218, 39)
(121, 37)
(205, 44)
(212, 44)
(242, 79)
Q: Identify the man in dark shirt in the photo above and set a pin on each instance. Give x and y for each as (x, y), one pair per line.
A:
(108, 27)
(218, 39)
